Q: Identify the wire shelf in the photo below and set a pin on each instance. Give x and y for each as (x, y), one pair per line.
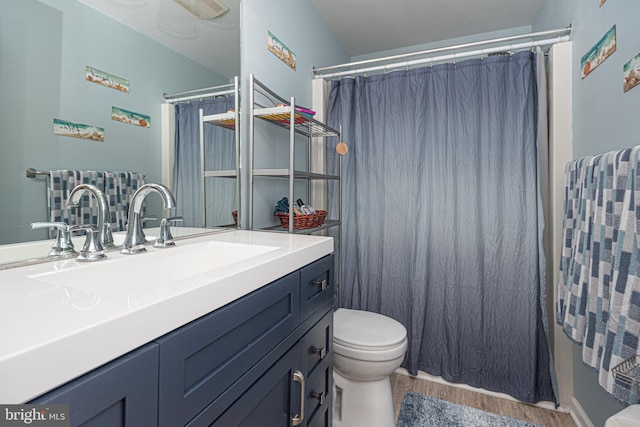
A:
(628, 372)
(225, 120)
(303, 124)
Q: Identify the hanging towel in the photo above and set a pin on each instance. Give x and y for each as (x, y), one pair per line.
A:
(599, 287)
(60, 185)
(119, 189)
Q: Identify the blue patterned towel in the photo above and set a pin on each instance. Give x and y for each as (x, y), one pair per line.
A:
(60, 184)
(599, 287)
(117, 186)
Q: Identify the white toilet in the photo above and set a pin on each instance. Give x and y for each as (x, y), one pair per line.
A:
(367, 348)
(628, 417)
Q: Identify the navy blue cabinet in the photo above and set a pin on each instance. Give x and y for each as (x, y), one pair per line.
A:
(271, 362)
(263, 360)
(121, 393)
(200, 361)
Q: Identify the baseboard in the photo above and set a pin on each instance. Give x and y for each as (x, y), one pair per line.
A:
(575, 407)
(578, 414)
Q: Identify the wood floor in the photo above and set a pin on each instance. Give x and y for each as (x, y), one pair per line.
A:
(401, 384)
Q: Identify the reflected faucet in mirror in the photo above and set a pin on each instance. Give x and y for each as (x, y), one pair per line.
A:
(134, 238)
(105, 237)
(210, 59)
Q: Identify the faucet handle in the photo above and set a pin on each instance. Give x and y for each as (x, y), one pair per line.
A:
(165, 239)
(62, 245)
(92, 249)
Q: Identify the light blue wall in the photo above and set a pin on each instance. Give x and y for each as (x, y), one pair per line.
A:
(45, 47)
(604, 118)
(296, 24)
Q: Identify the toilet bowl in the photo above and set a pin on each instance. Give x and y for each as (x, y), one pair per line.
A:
(367, 348)
(628, 417)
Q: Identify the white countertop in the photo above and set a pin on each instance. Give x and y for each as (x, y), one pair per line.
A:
(52, 332)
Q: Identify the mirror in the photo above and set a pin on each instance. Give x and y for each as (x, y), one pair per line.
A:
(51, 49)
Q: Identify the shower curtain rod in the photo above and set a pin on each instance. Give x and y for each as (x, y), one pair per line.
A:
(565, 37)
(451, 56)
(208, 92)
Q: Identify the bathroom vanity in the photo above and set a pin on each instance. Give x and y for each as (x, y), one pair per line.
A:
(229, 329)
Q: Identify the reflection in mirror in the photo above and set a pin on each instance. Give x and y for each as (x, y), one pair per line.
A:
(206, 146)
(48, 48)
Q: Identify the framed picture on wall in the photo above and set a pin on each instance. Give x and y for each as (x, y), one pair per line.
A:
(631, 73)
(599, 52)
(77, 130)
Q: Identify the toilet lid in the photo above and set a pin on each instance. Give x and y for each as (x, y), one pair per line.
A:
(366, 330)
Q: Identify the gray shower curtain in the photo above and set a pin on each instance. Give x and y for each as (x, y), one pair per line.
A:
(220, 193)
(443, 220)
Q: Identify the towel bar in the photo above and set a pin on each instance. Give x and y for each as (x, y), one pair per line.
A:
(31, 173)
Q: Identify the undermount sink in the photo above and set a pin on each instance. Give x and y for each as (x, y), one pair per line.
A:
(134, 274)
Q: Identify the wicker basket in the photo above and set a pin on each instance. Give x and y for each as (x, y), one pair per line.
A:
(303, 222)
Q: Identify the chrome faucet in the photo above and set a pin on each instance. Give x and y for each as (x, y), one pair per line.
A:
(134, 238)
(62, 245)
(104, 224)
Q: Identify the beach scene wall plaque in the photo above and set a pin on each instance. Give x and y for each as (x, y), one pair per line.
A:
(77, 130)
(279, 49)
(598, 53)
(631, 73)
(129, 117)
(105, 79)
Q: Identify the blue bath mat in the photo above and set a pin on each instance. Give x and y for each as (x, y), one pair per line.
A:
(424, 411)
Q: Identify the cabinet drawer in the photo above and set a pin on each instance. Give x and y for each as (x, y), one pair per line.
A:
(199, 361)
(319, 397)
(317, 363)
(268, 402)
(317, 285)
(317, 345)
(123, 392)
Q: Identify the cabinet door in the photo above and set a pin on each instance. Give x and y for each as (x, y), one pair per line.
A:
(271, 401)
(317, 285)
(121, 393)
(201, 360)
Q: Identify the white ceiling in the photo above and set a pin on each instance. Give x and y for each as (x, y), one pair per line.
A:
(362, 26)
(366, 26)
(213, 43)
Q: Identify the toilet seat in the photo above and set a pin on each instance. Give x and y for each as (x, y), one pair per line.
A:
(369, 336)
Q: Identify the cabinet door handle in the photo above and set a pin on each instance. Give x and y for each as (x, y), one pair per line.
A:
(319, 396)
(322, 284)
(321, 352)
(297, 418)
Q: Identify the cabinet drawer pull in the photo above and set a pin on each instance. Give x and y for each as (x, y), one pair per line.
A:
(319, 396)
(322, 284)
(321, 352)
(297, 419)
